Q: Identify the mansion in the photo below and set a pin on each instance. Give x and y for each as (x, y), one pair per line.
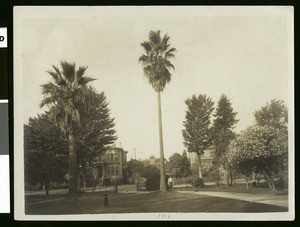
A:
(111, 167)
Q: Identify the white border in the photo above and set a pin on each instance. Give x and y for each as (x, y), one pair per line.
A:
(21, 12)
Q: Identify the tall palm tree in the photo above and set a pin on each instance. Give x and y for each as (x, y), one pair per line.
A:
(64, 95)
(156, 65)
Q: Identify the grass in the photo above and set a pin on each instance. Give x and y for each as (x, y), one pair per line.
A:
(261, 188)
(92, 203)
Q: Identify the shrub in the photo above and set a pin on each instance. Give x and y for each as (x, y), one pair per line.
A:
(151, 173)
(195, 181)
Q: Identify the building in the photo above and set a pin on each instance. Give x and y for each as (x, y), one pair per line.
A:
(206, 158)
(111, 167)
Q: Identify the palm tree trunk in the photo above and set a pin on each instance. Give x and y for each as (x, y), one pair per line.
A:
(162, 186)
(73, 173)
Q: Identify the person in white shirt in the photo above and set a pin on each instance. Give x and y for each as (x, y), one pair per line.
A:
(170, 183)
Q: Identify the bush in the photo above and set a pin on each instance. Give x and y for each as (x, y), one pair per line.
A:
(151, 173)
(195, 181)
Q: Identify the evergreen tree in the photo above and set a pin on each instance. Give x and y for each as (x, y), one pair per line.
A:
(197, 132)
(223, 125)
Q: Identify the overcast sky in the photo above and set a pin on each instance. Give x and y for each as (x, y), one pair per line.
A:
(241, 52)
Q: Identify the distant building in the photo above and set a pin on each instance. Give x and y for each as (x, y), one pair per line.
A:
(112, 166)
(206, 158)
(153, 161)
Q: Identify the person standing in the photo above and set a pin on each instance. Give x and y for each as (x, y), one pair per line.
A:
(170, 183)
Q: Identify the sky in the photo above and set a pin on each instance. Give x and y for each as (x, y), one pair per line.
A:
(242, 52)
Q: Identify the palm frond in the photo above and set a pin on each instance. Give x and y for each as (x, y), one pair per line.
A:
(54, 75)
(146, 46)
(144, 59)
(82, 81)
(154, 37)
(168, 64)
(80, 71)
(68, 70)
(155, 62)
(165, 42)
(57, 71)
(170, 53)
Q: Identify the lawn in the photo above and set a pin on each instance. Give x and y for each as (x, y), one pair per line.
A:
(92, 203)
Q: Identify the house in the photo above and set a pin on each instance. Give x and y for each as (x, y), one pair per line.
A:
(111, 167)
(206, 158)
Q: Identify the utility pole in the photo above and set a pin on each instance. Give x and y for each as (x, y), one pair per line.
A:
(134, 153)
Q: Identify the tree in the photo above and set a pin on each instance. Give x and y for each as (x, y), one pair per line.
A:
(45, 152)
(223, 125)
(260, 149)
(156, 66)
(63, 96)
(274, 114)
(197, 132)
(134, 167)
(180, 164)
(97, 131)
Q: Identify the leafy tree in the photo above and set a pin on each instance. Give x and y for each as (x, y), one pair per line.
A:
(223, 125)
(45, 150)
(274, 114)
(180, 164)
(156, 66)
(260, 149)
(134, 166)
(197, 132)
(63, 95)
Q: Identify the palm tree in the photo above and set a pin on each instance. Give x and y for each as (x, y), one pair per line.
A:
(63, 96)
(156, 67)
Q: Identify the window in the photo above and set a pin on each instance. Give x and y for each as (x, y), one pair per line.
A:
(107, 170)
(116, 157)
(107, 157)
(111, 157)
(112, 170)
(117, 170)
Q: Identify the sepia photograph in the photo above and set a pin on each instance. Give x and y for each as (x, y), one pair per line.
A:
(154, 113)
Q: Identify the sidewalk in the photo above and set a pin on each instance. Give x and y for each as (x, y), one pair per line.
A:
(277, 200)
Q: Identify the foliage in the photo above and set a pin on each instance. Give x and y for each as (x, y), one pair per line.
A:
(261, 149)
(197, 133)
(180, 165)
(97, 132)
(64, 95)
(151, 173)
(134, 166)
(45, 150)
(274, 114)
(223, 125)
(195, 181)
(156, 60)
(216, 173)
